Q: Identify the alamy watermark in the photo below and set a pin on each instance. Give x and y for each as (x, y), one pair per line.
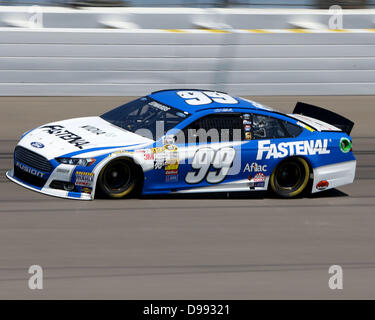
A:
(35, 282)
(335, 22)
(35, 19)
(336, 280)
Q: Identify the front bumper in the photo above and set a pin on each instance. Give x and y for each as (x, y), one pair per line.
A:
(336, 175)
(49, 191)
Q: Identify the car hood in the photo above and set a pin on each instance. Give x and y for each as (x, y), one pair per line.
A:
(79, 136)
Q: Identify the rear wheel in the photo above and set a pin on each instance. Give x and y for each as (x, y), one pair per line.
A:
(118, 179)
(290, 177)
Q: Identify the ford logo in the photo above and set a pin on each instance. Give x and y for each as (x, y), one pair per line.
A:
(37, 145)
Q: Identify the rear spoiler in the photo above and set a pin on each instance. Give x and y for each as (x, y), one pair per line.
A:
(324, 115)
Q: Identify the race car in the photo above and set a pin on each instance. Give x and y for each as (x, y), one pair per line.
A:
(186, 141)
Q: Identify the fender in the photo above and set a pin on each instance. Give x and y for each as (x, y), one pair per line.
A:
(137, 156)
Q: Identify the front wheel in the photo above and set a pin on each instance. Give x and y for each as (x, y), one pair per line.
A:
(117, 179)
(290, 177)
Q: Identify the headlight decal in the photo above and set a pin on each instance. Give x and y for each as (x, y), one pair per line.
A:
(83, 162)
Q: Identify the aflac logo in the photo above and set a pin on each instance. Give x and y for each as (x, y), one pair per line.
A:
(255, 167)
(37, 144)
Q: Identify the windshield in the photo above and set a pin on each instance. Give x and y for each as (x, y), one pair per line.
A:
(145, 117)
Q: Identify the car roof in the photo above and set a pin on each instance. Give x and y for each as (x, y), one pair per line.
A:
(171, 98)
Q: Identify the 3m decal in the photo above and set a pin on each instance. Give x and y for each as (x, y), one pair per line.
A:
(148, 156)
(284, 149)
(205, 158)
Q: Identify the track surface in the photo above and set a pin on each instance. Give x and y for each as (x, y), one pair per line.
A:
(240, 247)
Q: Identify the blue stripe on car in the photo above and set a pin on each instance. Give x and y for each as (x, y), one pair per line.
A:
(72, 154)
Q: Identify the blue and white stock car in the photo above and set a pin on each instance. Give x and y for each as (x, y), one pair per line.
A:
(187, 140)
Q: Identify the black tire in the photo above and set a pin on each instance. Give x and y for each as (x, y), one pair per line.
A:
(290, 178)
(118, 178)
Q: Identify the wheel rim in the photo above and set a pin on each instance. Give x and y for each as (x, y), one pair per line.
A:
(117, 177)
(290, 177)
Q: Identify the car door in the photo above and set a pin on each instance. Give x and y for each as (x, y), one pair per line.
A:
(212, 152)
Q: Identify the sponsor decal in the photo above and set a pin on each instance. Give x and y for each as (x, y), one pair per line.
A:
(167, 147)
(255, 167)
(171, 172)
(93, 130)
(259, 177)
(86, 190)
(284, 149)
(171, 178)
(37, 144)
(30, 170)
(224, 110)
(61, 170)
(157, 150)
(170, 147)
(148, 156)
(172, 168)
(246, 122)
(159, 156)
(159, 164)
(259, 184)
(84, 178)
(120, 152)
(70, 137)
(248, 135)
(165, 156)
(159, 106)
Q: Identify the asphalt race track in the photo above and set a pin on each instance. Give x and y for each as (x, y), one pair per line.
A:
(242, 246)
